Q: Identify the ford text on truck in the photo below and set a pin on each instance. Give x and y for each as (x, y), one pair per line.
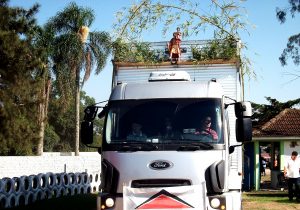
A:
(155, 152)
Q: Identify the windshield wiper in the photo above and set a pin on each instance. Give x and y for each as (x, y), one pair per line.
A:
(203, 145)
(140, 147)
(188, 148)
(130, 148)
(149, 147)
(195, 146)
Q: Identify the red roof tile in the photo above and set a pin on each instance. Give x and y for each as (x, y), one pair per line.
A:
(286, 123)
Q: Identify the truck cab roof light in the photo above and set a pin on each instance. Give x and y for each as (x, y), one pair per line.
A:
(169, 76)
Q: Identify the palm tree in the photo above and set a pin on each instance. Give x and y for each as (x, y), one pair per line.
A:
(74, 49)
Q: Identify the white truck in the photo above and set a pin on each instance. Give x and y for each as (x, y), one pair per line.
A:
(156, 151)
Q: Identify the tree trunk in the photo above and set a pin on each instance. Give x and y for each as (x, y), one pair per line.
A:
(77, 111)
(40, 145)
(43, 109)
(48, 89)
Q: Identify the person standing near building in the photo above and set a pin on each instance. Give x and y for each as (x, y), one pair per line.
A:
(263, 167)
(291, 171)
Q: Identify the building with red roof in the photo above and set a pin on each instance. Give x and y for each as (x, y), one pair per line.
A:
(281, 136)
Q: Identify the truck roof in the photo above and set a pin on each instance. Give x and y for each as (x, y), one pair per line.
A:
(167, 89)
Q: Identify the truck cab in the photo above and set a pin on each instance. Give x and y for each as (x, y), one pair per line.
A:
(167, 144)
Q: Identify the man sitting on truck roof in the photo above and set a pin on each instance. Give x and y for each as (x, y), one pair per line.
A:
(206, 130)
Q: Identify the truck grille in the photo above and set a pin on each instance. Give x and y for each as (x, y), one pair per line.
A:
(148, 183)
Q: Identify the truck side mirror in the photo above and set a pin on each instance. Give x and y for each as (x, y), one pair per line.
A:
(243, 113)
(243, 129)
(243, 109)
(103, 112)
(86, 132)
(87, 128)
(90, 113)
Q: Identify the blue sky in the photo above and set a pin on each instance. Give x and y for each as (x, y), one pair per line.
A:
(265, 44)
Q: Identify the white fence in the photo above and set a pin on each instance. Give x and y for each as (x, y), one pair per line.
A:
(26, 179)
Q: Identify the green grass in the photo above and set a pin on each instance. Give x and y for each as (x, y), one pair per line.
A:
(265, 196)
(265, 200)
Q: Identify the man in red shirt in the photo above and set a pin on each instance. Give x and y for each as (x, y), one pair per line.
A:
(174, 45)
(206, 130)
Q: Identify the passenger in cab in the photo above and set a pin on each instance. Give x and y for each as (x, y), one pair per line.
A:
(168, 130)
(205, 129)
(136, 133)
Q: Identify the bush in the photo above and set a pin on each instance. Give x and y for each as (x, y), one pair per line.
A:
(215, 49)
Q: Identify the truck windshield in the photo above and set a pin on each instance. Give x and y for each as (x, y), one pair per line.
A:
(164, 121)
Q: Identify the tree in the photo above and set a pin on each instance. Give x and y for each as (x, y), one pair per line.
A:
(262, 113)
(190, 16)
(21, 71)
(46, 83)
(60, 128)
(75, 49)
(224, 19)
(292, 48)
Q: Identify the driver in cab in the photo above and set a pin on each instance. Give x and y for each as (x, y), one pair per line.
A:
(206, 130)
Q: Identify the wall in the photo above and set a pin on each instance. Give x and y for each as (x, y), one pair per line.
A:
(27, 179)
(289, 148)
(16, 166)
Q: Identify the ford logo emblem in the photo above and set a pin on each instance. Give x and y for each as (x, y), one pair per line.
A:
(160, 165)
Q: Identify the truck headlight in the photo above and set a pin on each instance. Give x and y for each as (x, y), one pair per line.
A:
(215, 203)
(109, 202)
(218, 202)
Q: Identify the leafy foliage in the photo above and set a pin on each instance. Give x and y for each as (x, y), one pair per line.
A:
(51, 140)
(133, 52)
(224, 19)
(291, 50)
(69, 53)
(28, 53)
(293, 8)
(21, 71)
(262, 113)
(192, 16)
(73, 49)
(293, 44)
(60, 132)
(216, 49)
